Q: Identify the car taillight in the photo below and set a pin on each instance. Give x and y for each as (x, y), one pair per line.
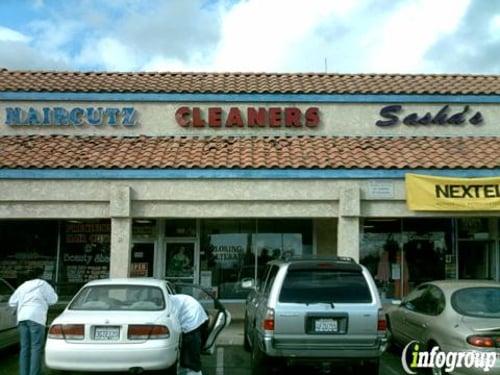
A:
(483, 341)
(67, 331)
(147, 332)
(381, 322)
(268, 322)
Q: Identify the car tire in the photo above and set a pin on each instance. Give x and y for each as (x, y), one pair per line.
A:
(172, 370)
(370, 367)
(261, 363)
(246, 343)
(435, 371)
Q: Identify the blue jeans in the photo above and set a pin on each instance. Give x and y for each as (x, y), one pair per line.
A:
(32, 336)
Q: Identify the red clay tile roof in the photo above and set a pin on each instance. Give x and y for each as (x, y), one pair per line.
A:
(257, 83)
(248, 152)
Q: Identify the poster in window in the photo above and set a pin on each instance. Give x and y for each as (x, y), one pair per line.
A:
(85, 251)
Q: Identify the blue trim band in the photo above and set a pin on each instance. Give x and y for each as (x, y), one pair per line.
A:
(253, 98)
(166, 174)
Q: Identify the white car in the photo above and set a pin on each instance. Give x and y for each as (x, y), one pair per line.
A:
(8, 331)
(123, 325)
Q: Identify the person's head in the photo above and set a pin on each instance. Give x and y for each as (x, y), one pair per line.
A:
(35, 273)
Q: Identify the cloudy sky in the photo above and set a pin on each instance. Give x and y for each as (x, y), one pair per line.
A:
(345, 36)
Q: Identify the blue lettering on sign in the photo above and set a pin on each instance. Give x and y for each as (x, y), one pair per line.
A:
(76, 117)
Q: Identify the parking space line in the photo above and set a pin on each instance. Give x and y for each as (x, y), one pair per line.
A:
(220, 361)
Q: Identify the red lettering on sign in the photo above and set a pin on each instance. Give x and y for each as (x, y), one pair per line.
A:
(182, 117)
(215, 117)
(234, 118)
(256, 117)
(198, 121)
(274, 117)
(293, 117)
(312, 117)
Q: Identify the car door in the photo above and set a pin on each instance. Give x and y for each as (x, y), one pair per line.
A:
(8, 333)
(219, 317)
(430, 303)
(399, 317)
(258, 298)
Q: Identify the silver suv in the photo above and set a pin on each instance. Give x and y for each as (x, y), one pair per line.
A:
(315, 310)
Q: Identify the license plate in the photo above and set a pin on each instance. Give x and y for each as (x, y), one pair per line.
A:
(325, 325)
(107, 333)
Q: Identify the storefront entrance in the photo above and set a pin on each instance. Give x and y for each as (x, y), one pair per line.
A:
(402, 253)
(477, 260)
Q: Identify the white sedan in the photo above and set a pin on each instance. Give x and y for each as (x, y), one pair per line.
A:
(123, 325)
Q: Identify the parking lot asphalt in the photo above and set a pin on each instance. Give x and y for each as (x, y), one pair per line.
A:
(229, 358)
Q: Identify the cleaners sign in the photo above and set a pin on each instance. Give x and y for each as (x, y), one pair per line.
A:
(431, 193)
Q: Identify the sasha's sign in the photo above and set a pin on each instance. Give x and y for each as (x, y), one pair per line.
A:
(58, 116)
(251, 117)
(391, 116)
(430, 193)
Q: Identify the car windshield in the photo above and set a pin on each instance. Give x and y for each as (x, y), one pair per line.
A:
(324, 286)
(119, 297)
(481, 302)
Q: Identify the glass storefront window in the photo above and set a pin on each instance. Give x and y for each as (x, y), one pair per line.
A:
(27, 245)
(473, 228)
(142, 259)
(143, 229)
(180, 228)
(232, 250)
(427, 248)
(477, 255)
(403, 253)
(85, 253)
(380, 252)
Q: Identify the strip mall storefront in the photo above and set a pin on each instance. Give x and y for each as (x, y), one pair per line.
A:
(206, 184)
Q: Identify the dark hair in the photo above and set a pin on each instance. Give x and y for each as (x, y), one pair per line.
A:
(36, 273)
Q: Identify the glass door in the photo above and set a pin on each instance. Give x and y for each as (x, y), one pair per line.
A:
(477, 259)
(181, 264)
(142, 259)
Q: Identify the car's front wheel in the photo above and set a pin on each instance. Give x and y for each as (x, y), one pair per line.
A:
(435, 370)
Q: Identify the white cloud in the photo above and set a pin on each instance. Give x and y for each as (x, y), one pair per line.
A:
(110, 54)
(246, 35)
(406, 34)
(9, 35)
(260, 35)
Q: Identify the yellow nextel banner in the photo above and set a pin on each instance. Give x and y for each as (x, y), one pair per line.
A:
(430, 193)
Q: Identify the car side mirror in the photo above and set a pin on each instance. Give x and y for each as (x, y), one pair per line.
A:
(248, 283)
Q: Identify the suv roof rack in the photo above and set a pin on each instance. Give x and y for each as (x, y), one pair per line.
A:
(332, 258)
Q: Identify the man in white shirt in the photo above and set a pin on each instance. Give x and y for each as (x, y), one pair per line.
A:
(192, 318)
(31, 301)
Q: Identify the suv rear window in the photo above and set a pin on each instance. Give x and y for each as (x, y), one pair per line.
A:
(324, 286)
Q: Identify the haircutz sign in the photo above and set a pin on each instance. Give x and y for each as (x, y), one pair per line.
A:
(251, 117)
